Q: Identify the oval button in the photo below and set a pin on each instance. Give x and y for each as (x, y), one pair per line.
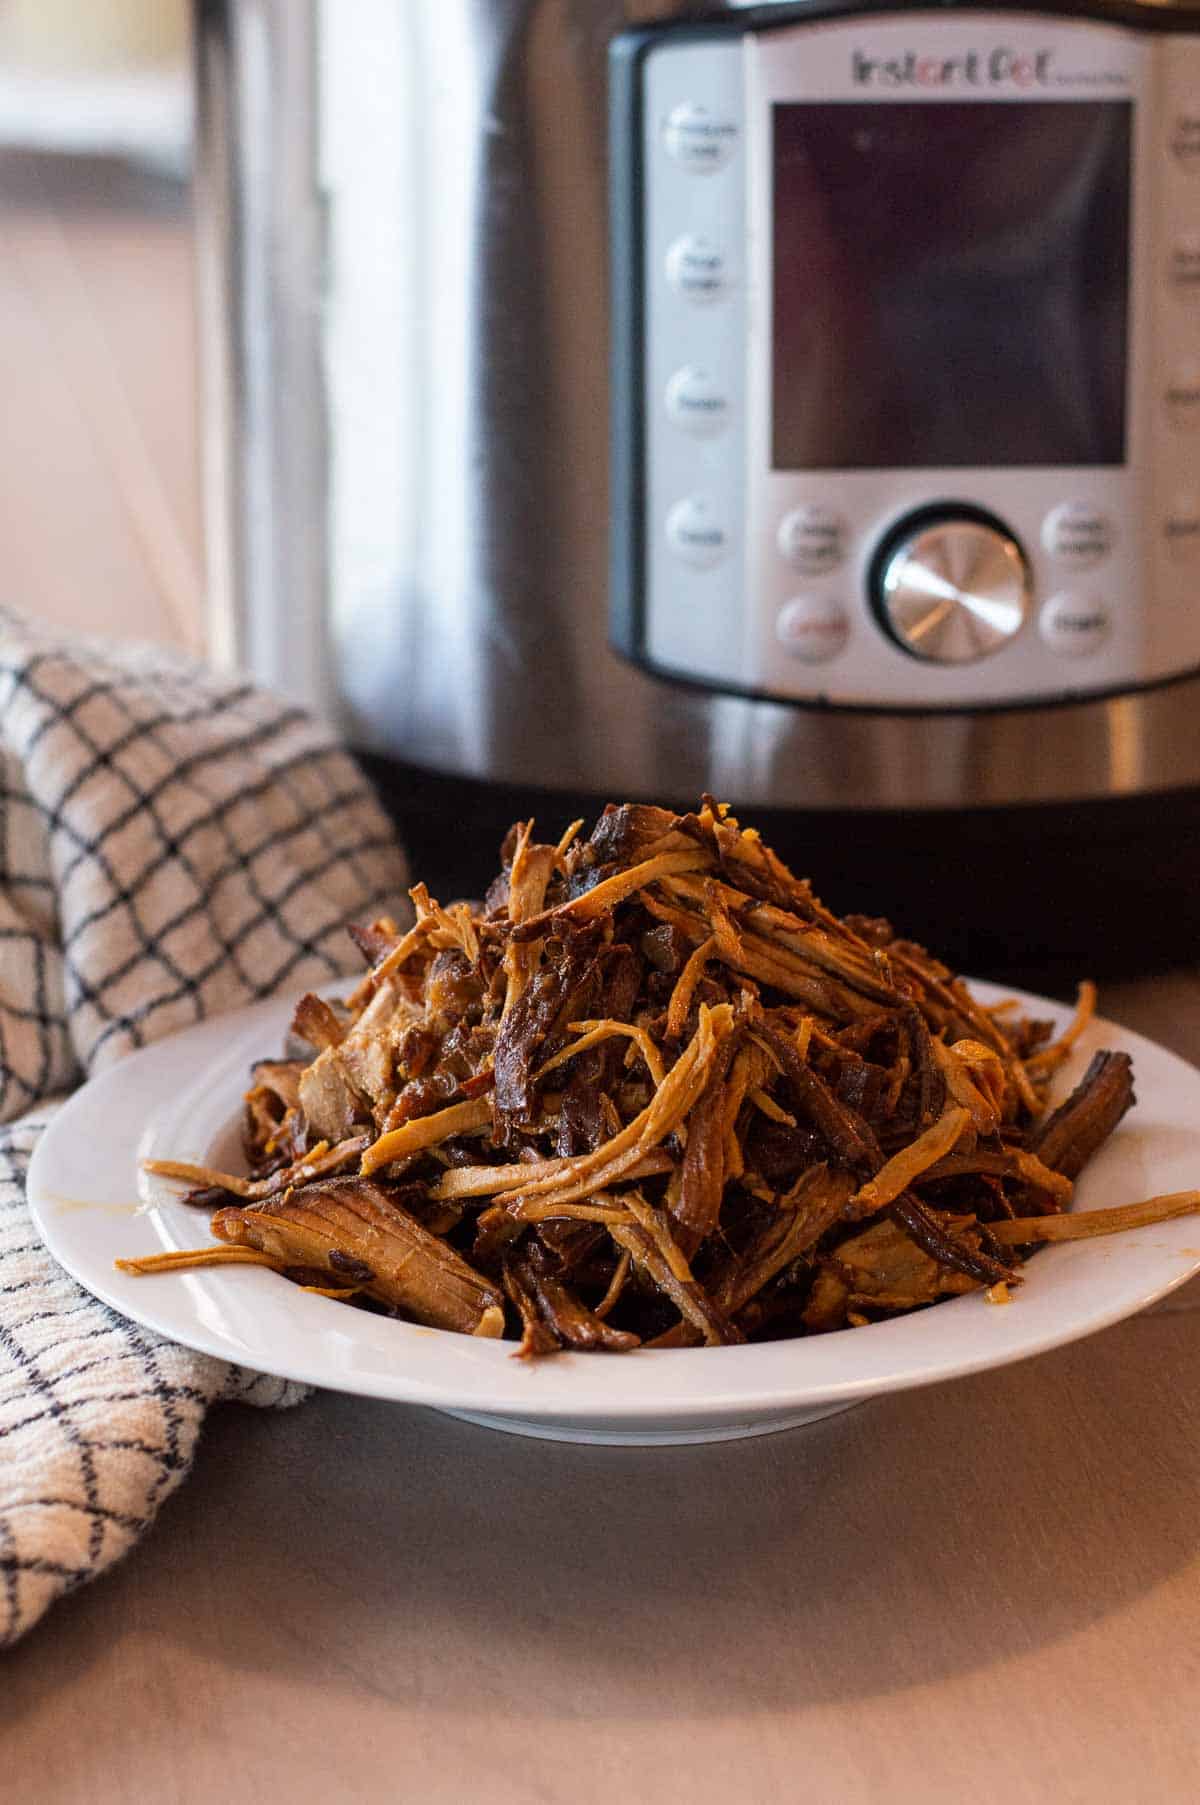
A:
(697, 403)
(812, 628)
(1074, 626)
(1077, 535)
(812, 539)
(697, 269)
(699, 139)
(696, 533)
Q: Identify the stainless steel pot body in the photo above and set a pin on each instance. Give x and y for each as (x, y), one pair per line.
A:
(402, 226)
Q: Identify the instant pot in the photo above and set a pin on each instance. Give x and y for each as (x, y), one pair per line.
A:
(794, 402)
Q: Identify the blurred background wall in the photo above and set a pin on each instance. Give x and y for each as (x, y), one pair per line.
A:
(99, 501)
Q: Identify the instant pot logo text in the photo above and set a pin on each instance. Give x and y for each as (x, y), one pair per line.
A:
(1001, 67)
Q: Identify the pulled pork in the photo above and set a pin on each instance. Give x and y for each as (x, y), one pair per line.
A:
(653, 1093)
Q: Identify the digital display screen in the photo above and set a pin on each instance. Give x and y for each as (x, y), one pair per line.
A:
(950, 284)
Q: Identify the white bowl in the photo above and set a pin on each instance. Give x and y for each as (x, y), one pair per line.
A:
(178, 1099)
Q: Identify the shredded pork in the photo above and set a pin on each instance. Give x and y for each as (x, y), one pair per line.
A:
(652, 1093)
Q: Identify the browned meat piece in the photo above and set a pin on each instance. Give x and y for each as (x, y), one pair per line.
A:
(274, 1130)
(851, 1139)
(702, 1183)
(375, 939)
(929, 1086)
(421, 1098)
(316, 1022)
(574, 1323)
(596, 1074)
(564, 1248)
(537, 1337)
(393, 1258)
(1067, 1139)
(664, 947)
(861, 1085)
(875, 930)
(369, 1064)
(785, 1236)
(581, 1118)
(453, 986)
(546, 1304)
(556, 994)
(281, 1079)
(692, 1302)
(625, 834)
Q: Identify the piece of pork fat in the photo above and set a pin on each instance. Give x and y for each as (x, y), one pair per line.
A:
(333, 1106)
(1067, 1140)
(351, 1083)
(352, 1228)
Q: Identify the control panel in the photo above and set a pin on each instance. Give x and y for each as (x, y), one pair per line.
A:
(916, 360)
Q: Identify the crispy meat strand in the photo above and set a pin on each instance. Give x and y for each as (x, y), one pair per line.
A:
(942, 1245)
(905, 1167)
(1067, 1139)
(319, 1163)
(610, 891)
(839, 955)
(1085, 1223)
(420, 1132)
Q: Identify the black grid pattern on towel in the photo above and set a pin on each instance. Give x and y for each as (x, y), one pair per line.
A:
(98, 1418)
(178, 844)
(172, 843)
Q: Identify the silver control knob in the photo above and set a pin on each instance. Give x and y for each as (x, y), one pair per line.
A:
(951, 586)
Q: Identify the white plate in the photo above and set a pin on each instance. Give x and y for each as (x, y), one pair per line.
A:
(180, 1099)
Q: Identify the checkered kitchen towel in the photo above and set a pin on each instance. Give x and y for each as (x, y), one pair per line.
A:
(172, 843)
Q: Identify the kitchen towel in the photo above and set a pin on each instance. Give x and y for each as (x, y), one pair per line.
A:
(173, 842)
